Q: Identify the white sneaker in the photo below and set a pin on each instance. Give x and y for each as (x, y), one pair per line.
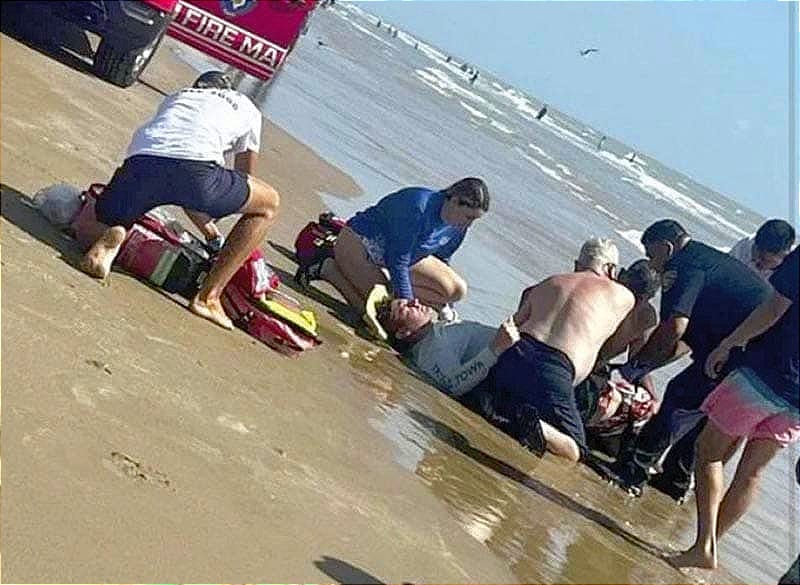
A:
(448, 314)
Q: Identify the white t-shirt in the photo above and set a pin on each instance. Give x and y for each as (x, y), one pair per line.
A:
(743, 252)
(200, 124)
(456, 356)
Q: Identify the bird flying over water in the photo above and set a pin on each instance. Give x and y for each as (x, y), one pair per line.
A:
(585, 52)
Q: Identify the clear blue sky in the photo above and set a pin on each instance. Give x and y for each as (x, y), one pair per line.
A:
(701, 86)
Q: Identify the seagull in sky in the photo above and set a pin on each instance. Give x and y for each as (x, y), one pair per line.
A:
(585, 52)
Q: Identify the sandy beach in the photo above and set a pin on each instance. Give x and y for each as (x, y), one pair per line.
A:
(142, 444)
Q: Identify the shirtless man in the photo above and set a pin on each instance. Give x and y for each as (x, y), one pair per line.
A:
(563, 323)
(629, 337)
(635, 328)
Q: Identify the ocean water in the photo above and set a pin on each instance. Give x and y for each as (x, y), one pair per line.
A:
(392, 112)
(394, 116)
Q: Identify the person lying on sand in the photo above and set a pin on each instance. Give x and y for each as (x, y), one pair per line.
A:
(178, 158)
(455, 355)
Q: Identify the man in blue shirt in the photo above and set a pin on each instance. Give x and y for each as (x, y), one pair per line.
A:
(412, 233)
(705, 295)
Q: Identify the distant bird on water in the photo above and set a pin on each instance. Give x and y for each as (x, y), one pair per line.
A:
(585, 52)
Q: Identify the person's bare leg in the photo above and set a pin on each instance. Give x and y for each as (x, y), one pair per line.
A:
(258, 214)
(435, 283)
(101, 242)
(98, 259)
(88, 228)
(744, 486)
(354, 266)
(204, 222)
(732, 451)
(560, 444)
(430, 294)
(712, 446)
(331, 273)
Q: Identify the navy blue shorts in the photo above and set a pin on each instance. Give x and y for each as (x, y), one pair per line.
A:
(144, 182)
(531, 372)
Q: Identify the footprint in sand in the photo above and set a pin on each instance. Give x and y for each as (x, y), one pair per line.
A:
(126, 466)
(100, 366)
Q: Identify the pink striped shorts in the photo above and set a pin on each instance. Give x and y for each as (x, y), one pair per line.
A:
(744, 406)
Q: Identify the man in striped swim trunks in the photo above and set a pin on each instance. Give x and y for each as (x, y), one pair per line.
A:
(758, 400)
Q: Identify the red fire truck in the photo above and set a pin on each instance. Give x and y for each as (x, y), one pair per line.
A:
(252, 35)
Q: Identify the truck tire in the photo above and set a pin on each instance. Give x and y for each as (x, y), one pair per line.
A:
(122, 65)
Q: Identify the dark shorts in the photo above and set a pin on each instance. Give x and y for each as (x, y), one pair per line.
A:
(679, 419)
(533, 373)
(144, 182)
(686, 392)
(683, 397)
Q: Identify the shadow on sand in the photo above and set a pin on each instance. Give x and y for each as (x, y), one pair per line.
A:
(343, 572)
(34, 24)
(458, 441)
(18, 209)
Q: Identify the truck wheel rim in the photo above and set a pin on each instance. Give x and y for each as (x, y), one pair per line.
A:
(141, 59)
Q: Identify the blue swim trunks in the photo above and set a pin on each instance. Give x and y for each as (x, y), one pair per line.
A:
(144, 182)
(533, 373)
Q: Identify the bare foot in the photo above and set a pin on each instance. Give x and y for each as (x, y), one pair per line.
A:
(694, 557)
(97, 261)
(211, 310)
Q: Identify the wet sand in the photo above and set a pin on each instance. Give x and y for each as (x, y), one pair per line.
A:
(142, 444)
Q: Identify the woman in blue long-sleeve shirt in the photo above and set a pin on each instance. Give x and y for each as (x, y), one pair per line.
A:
(413, 233)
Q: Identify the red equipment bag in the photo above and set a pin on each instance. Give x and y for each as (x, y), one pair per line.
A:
(150, 253)
(152, 250)
(255, 277)
(240, 300)
(315, 241)
(268, 329)
(175, 262)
